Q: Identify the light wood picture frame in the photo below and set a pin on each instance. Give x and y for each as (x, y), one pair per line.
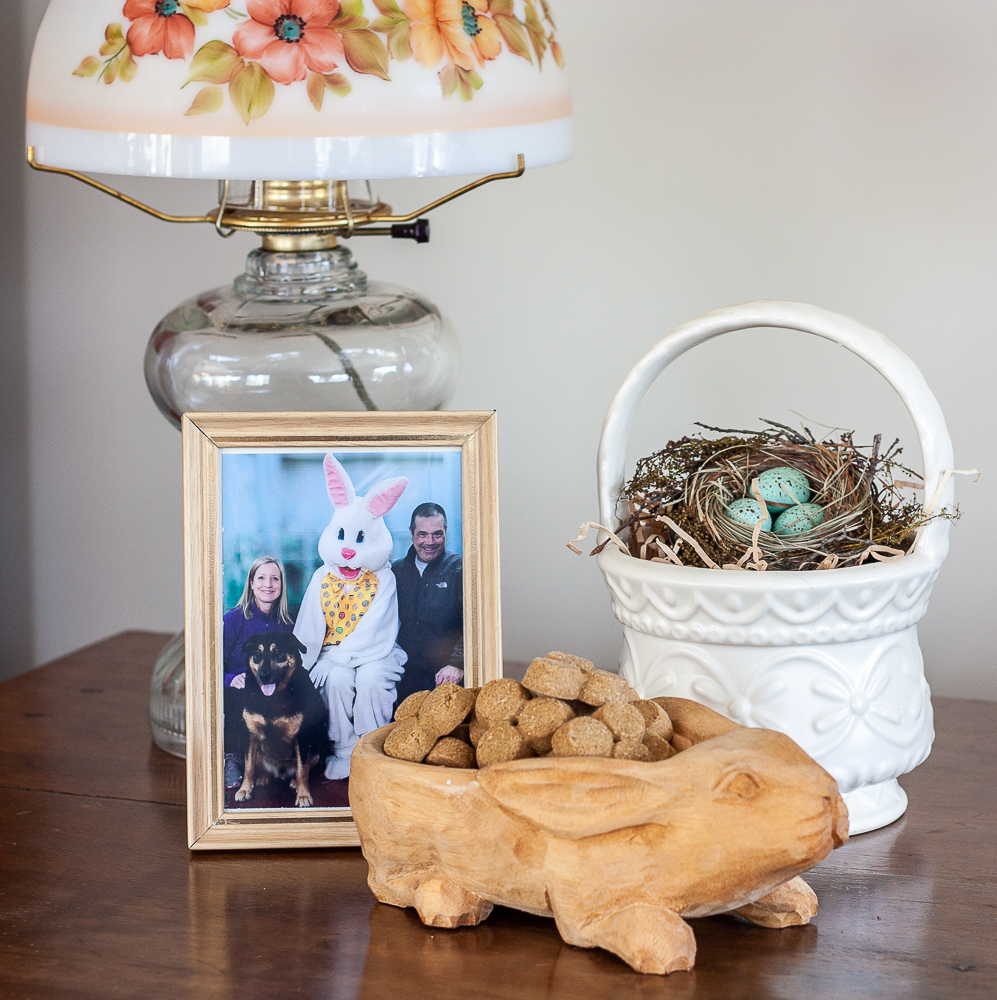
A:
(208, 438)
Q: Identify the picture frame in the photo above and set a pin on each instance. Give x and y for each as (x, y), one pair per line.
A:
(214, 518)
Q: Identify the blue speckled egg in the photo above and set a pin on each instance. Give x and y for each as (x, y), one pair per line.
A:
(802, 517)
(783, 487)
(748, 510)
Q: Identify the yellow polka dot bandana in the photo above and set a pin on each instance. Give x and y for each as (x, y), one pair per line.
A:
(343, 611)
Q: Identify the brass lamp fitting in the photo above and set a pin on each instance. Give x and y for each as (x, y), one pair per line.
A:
(299, 215)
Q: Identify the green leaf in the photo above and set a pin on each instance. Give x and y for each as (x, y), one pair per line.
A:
(350, 17)
(338, 84)
(88, 67)
(536, 31)
(207, 101)
(389, 8)
(114, 38)
(455, 78)
(252, 91)
(214, 62)
(514, 35)
(547, 14)
(500, 8)
(397, 31)
(365, 53)
(316, 90)
(127, 67)
(197, 17)
(448, 80)
(318, 84)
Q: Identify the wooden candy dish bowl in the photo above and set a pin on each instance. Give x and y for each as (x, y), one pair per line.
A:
(617, 851)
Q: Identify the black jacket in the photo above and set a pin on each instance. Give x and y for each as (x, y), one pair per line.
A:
(431, 613)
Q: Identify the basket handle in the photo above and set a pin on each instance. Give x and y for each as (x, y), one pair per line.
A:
(872, 347)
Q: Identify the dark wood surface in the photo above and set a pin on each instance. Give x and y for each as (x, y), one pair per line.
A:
(99, 896)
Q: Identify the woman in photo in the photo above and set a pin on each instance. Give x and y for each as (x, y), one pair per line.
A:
(262, 608)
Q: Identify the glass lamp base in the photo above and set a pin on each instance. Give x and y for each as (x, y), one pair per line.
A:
(301, 330)
(167, 699)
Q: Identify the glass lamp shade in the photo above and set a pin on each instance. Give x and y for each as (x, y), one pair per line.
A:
(298, 89)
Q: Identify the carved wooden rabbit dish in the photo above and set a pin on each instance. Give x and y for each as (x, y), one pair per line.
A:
(617, 851)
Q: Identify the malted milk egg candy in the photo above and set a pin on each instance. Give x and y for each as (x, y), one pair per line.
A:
(783, 487)
(802, 517)
(748, 510)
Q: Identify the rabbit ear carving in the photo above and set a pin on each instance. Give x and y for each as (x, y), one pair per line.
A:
(338, 483)
(385, 495)
(574, 798)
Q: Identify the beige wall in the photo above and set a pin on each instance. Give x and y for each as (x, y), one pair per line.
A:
(842, 154)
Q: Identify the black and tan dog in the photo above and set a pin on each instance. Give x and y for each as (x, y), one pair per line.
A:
(285, 722)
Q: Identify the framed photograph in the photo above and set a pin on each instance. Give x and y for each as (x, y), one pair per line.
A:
(334, 564)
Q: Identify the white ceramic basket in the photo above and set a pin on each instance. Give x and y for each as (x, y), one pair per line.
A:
(829, 657)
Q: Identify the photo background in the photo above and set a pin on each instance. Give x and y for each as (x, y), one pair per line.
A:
(275, 503)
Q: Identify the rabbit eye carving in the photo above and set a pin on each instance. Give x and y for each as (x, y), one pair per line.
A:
(739, 785)
(342, 534)
(359, 536)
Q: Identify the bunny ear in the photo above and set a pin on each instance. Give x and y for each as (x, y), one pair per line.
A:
(337, 482)
(574, 798)
(385, 495)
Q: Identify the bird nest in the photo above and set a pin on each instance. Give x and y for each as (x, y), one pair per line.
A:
(677, 501)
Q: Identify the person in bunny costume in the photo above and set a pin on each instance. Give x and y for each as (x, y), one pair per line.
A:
(348, 619)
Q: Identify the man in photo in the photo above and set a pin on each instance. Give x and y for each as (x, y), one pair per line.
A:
(430, 605)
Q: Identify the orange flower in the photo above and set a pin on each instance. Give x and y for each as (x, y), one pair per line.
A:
(159, 26)
(485, 35)
(208, 6)
(290, 37)
(440, 31)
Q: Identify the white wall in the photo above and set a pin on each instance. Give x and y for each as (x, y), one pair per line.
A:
(842, 154)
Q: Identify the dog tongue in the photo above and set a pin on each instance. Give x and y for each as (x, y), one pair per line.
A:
(268, 689)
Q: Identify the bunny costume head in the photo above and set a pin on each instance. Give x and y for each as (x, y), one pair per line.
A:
(357, 538)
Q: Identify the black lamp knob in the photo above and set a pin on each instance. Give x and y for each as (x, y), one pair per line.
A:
(418, 231)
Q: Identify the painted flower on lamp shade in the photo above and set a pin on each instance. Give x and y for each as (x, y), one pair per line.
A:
(290, 37)
(442, 31)
(486, 38)
(295, 41)
(159, 26)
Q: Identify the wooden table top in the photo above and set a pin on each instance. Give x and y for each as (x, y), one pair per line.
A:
(100, 897)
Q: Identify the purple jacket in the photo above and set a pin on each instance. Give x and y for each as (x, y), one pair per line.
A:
(238, 628)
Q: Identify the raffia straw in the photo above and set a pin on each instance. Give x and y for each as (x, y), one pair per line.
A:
(881, 553)
(670, 554)
(700, 551)
(756, 552)
(930, 506)
(760, 564)
(584, 530)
